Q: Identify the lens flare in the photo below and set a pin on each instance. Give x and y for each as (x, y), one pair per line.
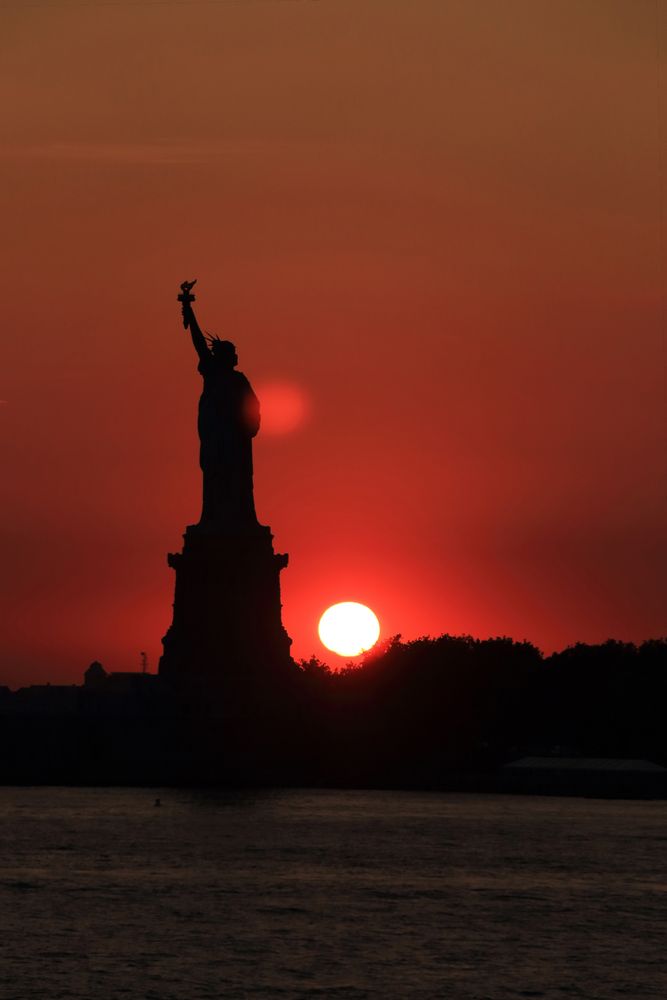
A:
(284, 407)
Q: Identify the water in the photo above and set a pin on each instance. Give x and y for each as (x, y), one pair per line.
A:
(329, 894)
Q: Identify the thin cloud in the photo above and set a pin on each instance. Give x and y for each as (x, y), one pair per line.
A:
(143, 3)
(160, 152)
(149, 153)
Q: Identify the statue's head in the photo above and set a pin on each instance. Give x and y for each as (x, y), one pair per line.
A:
(224, 351)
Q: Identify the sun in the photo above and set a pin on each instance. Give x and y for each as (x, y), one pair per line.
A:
(349, 628)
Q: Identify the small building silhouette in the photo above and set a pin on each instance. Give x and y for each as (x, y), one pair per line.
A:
(95, 675)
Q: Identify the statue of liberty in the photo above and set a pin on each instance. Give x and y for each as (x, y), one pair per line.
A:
(227, 422)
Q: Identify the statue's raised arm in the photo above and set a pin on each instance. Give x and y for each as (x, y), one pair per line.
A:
(186, 298)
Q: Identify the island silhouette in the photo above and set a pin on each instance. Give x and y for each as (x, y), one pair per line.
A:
(230, 706)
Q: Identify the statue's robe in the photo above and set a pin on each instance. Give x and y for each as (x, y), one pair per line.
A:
(228, 421)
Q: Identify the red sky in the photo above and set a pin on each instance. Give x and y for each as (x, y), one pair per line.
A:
(442, 222)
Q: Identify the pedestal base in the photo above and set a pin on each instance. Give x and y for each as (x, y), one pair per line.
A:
(227, 611)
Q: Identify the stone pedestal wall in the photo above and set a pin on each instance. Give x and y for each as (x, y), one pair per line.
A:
(227, 609)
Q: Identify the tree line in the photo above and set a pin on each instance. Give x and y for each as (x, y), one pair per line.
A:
(456, 701)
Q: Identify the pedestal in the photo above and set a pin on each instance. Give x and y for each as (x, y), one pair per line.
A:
(227, 611)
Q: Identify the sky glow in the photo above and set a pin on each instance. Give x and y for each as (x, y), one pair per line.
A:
(436, 222)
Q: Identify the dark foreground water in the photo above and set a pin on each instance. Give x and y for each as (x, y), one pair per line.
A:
(329, 894)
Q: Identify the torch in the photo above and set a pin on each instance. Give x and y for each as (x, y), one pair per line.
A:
(185, 298)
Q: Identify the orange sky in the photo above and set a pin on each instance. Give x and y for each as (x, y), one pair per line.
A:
(440, 222)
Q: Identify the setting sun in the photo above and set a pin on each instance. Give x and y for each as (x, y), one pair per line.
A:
(349, 628)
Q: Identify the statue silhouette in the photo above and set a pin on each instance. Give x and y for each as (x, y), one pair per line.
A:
(227, 422)
(227, 622)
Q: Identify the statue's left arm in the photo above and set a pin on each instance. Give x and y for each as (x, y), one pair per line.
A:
(251, 409)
